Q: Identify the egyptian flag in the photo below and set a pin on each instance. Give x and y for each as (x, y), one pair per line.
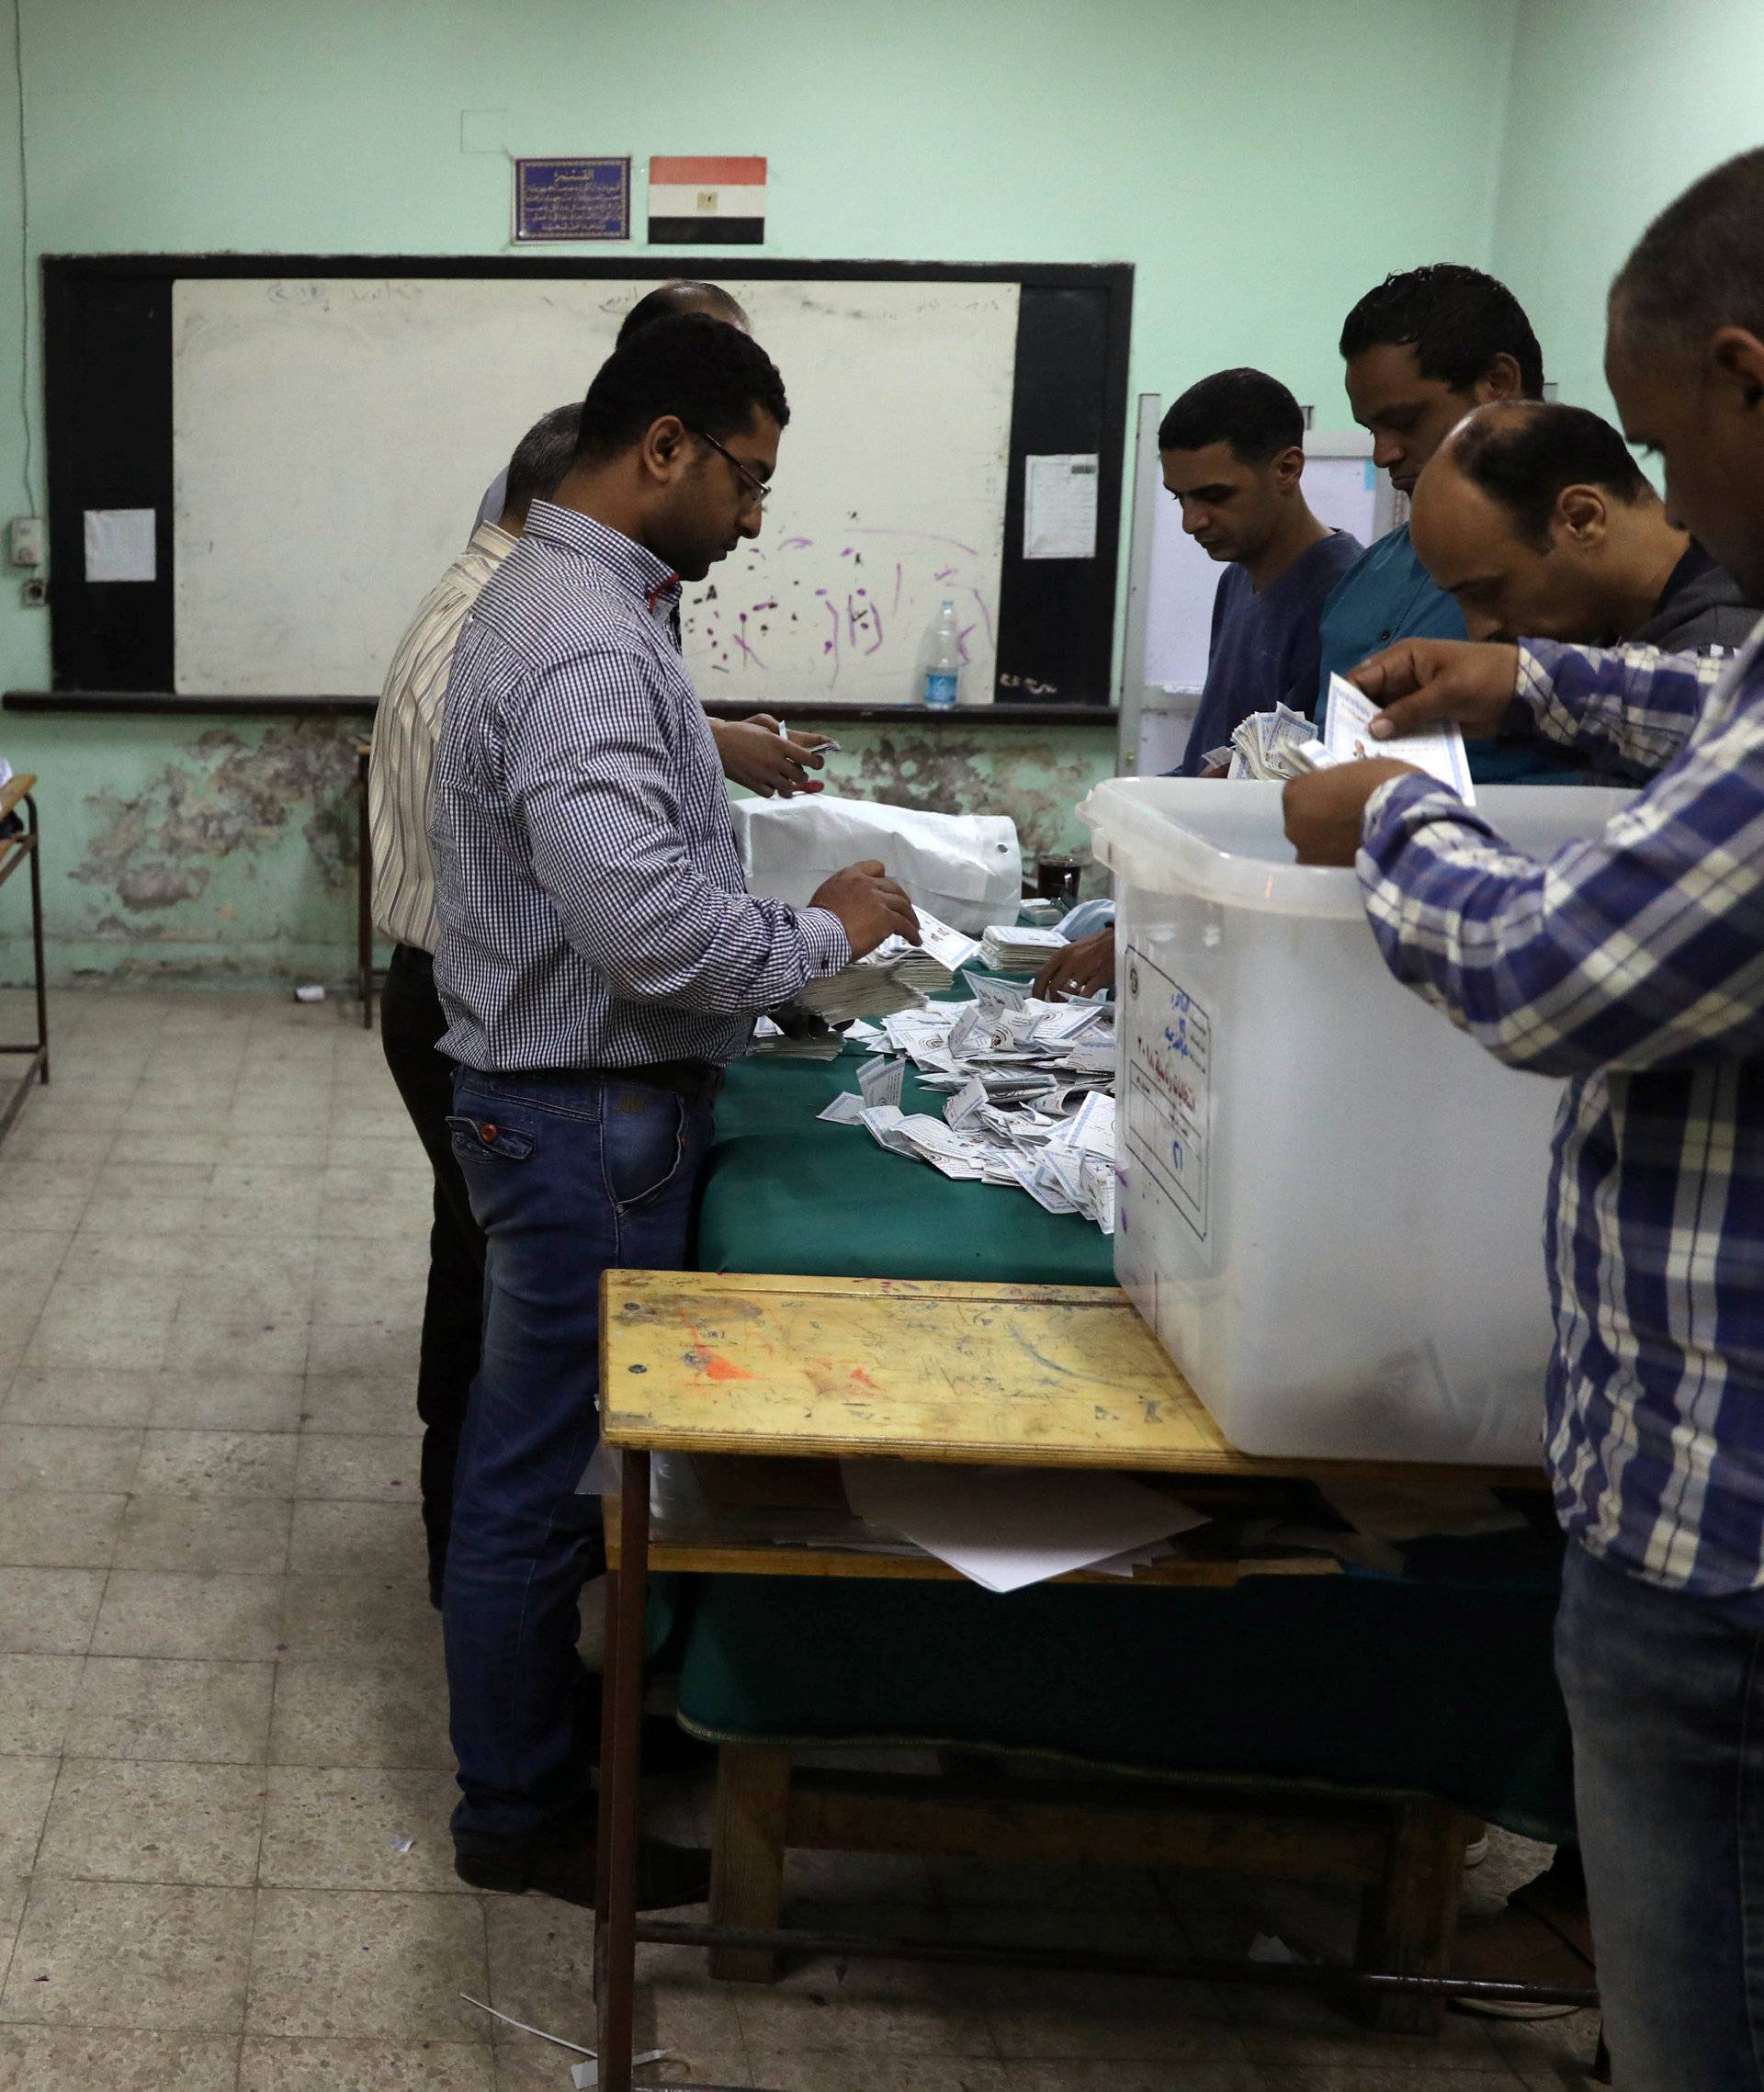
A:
(710, 202)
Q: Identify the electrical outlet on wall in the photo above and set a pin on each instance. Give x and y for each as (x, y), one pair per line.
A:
(34, 594)
(26, 534)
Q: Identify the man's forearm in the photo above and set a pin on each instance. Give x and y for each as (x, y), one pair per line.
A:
(1629, 705)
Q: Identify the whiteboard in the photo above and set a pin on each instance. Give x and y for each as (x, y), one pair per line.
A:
(333, 437)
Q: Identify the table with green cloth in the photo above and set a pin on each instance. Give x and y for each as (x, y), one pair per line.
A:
(1438, 1679)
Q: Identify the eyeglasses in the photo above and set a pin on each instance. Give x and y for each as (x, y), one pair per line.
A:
(760, 489)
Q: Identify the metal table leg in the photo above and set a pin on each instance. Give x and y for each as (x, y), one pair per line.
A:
(364, 895)
(621, 1773)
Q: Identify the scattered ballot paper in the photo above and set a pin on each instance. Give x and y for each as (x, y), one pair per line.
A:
(1005, 1527)
(1347, 735)
(1028, 1089)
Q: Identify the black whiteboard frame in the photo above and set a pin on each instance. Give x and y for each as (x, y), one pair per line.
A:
(107, 394)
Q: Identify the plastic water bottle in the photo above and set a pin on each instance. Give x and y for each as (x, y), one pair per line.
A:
(940, 682)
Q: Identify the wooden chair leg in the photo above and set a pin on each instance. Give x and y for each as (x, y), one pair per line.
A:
(1408, 1923)
(747, 1854)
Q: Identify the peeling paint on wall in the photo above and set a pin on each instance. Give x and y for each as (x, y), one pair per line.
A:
(233, 795)
(225, 850)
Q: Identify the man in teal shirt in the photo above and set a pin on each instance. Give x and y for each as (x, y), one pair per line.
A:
(1422, 350)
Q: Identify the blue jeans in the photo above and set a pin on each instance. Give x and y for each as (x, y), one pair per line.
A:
(1666, 1702)
(567, 1177)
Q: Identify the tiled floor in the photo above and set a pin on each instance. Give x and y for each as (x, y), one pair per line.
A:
(220, 1688)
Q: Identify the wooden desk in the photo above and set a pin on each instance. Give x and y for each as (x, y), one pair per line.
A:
(25, 848)
(763, 1367)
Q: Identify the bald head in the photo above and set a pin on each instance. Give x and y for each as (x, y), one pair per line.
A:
(1540, 523)
(669, 299)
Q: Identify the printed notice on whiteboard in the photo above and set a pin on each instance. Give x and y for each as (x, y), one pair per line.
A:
(1060, 505)
(1168, 1063)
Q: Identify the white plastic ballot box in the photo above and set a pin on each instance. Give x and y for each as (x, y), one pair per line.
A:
(1332, 1200)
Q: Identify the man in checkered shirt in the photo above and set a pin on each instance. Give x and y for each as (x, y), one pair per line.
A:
(1633, 964)
(599, 961)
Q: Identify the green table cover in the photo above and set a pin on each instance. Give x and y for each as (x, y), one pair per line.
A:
(1439, 1680)
(788, 1193)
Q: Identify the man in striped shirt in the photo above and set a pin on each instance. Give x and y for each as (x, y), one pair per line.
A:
(1633, 964)
(405, 727)
(753, 752)
(600, 961)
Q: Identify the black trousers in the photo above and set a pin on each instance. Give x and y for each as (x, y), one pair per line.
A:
(411, 1022)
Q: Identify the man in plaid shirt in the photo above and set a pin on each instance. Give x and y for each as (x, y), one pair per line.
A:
(1633, 965)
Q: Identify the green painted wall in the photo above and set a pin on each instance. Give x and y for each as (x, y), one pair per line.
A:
(1261, 163)
(1616, 106)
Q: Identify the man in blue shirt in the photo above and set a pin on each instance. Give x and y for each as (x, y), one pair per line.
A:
(1633, 965)
(1422, 350)
(1233, 455)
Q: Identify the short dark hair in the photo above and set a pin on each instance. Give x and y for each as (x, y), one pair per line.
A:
(667, 300)
(710, 374)
(1524, 456)
(541, 457)
(1699, 265)
(1251, 411)
(1457, 321)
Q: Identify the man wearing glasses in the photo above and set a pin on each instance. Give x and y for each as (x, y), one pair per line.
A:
(599, 962)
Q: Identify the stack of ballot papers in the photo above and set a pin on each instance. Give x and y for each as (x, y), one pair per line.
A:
(896, 976)
(1028, 1089)
(1269, 745)
(1013, 948)
(806, 1042)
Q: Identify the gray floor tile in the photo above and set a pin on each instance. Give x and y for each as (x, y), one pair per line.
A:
(340, 1828)
(375, 2066)
(124, 1820)
(56, 2059)
(381, 1350)
(198, 1343)
(217, 1464)
(132, 1955)
(50, 1456)
(37, 1697)
(362, 1713)
(344, 1964)
(58, 1528)
(356, 1402)
(344, 1466)
(247, 1536)
(163, 1707)
(90, 1395)
(150, 1612)
(25, 1786)
(48, 1611)
(346, 1538)
(380, 1619)
(540, 1973)
(228, 1399)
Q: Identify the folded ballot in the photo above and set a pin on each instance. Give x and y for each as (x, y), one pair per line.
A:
(1347, 735)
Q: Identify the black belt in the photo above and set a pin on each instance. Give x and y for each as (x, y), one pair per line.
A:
(696, 1080)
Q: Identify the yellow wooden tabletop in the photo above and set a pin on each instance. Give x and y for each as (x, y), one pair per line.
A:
(1040, 1375)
